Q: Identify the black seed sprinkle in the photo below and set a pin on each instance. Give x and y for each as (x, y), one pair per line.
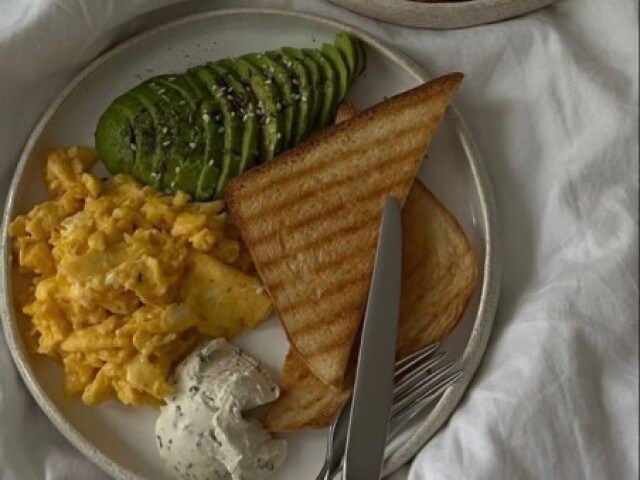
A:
(159, 439)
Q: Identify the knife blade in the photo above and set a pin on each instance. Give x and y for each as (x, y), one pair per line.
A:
(373, 391)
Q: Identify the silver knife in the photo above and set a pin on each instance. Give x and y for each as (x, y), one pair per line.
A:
(373, 390)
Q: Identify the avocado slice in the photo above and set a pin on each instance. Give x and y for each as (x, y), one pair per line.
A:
(152, 173)
(148, 135)
(244, 102)
(188, 173)
(277, 73)
(213, 130)
(179, 115)
(305, 98)
(114, 135)
(270, 117)
(340, 67)
(328, 86)
(196, 85)
(362, 56)
(345, 43)
(145, 135)
(180, 85)
(315, 79)
(231, 130)
(211, 114)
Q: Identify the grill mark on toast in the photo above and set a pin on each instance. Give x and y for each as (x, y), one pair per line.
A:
(308, 210)
(323, 348)
(365, 202)
(345, 231)
(367, 250)
(409, 150)
(343, 304)
(301, 297)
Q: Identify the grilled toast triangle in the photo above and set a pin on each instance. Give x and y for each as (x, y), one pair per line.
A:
(439, 274)
(310, 218)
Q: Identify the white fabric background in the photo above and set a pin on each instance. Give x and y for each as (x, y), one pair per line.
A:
(552, 101)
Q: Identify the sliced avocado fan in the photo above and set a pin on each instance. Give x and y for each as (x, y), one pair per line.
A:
(195, 131)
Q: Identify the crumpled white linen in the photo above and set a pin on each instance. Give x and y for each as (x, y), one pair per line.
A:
(551, 99)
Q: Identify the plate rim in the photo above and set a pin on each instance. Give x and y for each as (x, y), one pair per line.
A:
(445, 15)
(473, 351)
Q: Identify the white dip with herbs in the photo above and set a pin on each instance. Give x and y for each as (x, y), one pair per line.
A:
(201, 433)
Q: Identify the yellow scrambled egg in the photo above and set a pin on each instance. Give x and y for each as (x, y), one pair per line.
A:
(127, 280)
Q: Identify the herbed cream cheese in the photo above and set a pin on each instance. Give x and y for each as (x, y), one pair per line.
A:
(201, 433)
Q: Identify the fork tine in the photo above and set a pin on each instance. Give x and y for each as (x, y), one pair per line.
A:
(416, 386)
(415, 357)
(427, 396)
(337, 432)
(420, 371)
(419, 386)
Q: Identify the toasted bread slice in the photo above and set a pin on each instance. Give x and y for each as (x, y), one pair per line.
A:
(439, 273)
(346, 110)
(310, 219)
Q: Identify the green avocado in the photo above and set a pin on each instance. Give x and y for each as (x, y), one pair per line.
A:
(362, 56)
(346, 44)
(195, 131)
(192, 144)
(231, 129)
(244, 102)
(339, 65)
(114, 137)
(149, 154)
(183, 164)
(314, 77)
(276, 73)
(152, 173)
(211, 113)
(180, 84)
(144, 132)
(270, 117)
(293, 61)
(328, 86)
(212, 121)
(145, 135)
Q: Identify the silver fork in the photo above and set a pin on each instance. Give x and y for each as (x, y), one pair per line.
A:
(419, 379)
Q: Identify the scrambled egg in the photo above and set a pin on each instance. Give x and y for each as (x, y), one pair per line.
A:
(128, 280)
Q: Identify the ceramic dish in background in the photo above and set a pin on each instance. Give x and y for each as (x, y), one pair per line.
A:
(454, 14)
(120, 439)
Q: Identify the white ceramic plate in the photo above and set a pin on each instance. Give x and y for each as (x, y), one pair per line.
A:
(120, 439)
(452, 14)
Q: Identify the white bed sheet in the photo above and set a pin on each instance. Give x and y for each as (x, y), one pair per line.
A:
(552, 101)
